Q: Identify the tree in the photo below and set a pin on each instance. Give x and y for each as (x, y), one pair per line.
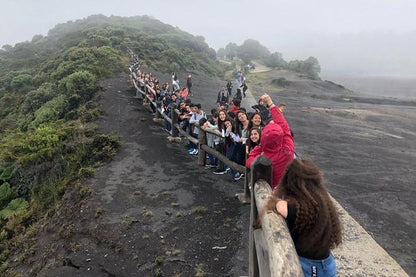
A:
(311, 67)
(231, 50)
(252, 49)
(7, 47)
(221, 53)
(36, 38)
(275, 60)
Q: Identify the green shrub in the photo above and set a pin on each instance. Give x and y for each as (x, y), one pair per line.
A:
(73, 102)
(86, 172)
(82, 83)
(104, 147)
(7, 173)
(21, 81)
(36, 98)
(16, 207)
(50, 111)
(280, 82)
(5, 193)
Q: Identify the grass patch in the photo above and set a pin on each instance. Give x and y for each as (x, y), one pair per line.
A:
(159, 260)
(176, 252)
(200, 210)
(200, 271)
(227, 222)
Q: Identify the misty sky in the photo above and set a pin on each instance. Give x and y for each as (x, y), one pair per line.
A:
(349, 36)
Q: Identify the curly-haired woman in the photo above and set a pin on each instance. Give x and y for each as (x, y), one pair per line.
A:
(313, 222)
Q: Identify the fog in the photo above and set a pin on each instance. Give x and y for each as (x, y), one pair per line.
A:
(374, 37)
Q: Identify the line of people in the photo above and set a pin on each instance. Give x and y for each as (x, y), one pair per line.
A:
(241, 131)
(299, 194)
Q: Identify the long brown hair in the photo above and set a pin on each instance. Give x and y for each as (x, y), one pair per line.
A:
(317, 221)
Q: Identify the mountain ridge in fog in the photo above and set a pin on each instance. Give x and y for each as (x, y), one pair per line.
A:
(366, 53)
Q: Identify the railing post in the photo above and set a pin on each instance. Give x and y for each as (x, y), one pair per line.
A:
(202, 156)
(261, 168)
(158, 109)
(174, 117)
(245, 196)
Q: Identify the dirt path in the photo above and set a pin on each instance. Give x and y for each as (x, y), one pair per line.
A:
(150, 212)
(259, 68)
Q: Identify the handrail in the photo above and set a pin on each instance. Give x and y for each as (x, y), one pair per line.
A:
(272, 252)
(204, 148)
(271, 249)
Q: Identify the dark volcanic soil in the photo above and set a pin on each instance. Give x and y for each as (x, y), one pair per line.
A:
(367, 150)
(153, 212)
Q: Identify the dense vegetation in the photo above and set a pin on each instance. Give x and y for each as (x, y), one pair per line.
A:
(252, 50)
(48, 105)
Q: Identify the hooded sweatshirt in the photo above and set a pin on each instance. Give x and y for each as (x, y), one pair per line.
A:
(276, 144)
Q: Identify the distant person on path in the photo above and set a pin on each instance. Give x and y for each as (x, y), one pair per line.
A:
(174, 77)
(238, 95)
(175, 84)
(244, 86)
(229, 87)
(189, 84)
(311, 217)
(239, 76)
(223, 97)
(276, 143)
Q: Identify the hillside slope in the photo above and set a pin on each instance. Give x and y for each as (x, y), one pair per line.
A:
(48, 106)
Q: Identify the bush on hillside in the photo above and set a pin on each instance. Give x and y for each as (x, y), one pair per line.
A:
(36, 98)
(21, 81)
(280, 82)
(50, 111)
(82, 83)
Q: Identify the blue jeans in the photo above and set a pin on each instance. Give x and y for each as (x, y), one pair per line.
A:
(319, 268)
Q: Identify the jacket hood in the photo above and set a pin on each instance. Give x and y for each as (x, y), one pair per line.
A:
(272, 138)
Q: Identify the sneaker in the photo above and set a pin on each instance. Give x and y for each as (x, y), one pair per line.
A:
(238, 176)
(195, 152)
(191, 150)
(219, 171)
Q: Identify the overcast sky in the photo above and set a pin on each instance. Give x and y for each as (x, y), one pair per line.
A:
(296, 28)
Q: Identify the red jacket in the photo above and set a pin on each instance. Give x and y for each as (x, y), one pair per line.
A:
(234, 110)
(276, 144)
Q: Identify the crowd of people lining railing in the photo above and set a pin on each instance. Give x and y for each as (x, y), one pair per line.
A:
(240, 135)
(240, 129)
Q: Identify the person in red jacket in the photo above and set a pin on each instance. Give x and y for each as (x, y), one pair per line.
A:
(236, 107)
(276, 143)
